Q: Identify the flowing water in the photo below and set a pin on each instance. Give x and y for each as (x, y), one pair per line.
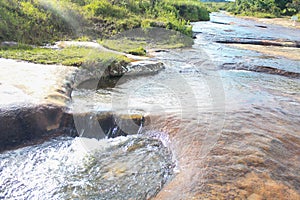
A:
(220, 122)
(81, 168)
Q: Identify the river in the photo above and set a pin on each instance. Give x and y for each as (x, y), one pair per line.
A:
(221, 122)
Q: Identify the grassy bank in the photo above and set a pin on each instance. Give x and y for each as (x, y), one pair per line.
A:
(70, 56)
(37, 22)
(137, 41)
(44, 21)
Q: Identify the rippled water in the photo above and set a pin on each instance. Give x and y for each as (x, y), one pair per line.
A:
(234, 132)
(81, 168)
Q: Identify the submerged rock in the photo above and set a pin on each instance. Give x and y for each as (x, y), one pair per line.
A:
(136, 68)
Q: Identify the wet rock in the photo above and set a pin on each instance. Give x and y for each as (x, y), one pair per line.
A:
(33, 103)
(260, 42)
(261, 26)
(144, 67)
(24, 124)
(261, 69)
(160, 50)
(116, 69)
(223, 23)
(109, 76)
(136, 68)
(194, 36)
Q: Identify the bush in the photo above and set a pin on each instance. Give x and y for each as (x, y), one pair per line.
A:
(39, 22)
(191, 10)
(106, 9)
(31, 22)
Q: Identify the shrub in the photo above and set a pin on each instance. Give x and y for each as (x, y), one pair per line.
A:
(106, 9)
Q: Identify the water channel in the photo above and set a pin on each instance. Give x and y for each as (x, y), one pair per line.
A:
(221, 122)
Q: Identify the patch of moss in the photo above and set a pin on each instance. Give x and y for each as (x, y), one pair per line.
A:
(71, 56)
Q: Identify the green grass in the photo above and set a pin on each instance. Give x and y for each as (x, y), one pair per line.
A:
(71, 56)
(138, 40)
(123, 45)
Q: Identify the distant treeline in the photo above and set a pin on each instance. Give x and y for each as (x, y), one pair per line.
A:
(43, 21)
(214, 0)
(265, 8)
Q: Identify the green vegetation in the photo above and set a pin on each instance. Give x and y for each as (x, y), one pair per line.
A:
(137, 41)
(35, 21)
(298, 15)
(265, 8)
(121, 15)
(189, 10)
(216, 6)
(123, 45)
(70, 56)
(44, 21)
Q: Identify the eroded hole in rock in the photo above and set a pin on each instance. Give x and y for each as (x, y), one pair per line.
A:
(123, 125)
(108, 125)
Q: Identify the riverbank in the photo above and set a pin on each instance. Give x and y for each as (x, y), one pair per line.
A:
(275, 51)
(284, 21)
(43, 22)
(276, 45)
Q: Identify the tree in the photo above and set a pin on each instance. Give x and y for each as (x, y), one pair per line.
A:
(293, 7)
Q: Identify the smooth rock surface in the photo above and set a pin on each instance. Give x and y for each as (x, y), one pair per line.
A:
(22, 82)
(33, 101)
